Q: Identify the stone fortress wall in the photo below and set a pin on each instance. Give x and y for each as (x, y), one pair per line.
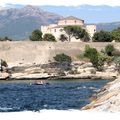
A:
(28, 52)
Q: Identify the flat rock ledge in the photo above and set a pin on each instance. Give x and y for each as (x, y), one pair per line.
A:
(4, 76)
(98, 75)
(107, 99)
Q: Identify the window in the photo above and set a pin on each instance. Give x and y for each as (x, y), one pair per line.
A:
(54, 30)
(75, 21)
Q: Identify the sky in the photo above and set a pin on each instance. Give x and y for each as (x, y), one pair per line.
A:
(62, 2)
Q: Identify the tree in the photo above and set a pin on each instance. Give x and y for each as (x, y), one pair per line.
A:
(109, 49)
(77, 32)
(116, 34)
(69, 30)
(49, 37)
(102, 36)
(36, 35)
(85, 36)
(63, 38)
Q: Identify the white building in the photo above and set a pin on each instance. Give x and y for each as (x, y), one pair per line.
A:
(58, 29)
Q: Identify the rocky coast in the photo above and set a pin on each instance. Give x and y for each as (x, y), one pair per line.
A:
(77, 70)
(107, 99)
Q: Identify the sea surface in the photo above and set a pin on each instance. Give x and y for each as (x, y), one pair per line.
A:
(58, 94)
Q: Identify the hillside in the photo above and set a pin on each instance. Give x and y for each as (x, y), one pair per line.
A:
(18, 23)
(108, 26)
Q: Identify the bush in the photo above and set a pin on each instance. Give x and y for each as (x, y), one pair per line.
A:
(109, 50)
(92, 54)
(4, 63)
(49, 37)
(61, 58)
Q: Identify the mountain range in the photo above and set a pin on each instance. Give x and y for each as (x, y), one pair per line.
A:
(18, 21)
(90, 13)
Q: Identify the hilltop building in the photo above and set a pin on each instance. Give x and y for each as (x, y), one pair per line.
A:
(58, 29)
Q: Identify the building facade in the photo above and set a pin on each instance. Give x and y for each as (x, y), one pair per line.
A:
(58, 29)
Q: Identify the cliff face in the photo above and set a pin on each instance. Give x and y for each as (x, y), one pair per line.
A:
(107, 99)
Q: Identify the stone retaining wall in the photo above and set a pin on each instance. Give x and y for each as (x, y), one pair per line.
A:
(28, 52)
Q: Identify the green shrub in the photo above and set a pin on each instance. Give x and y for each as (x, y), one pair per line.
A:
(102, 58)
(61, 58)
(92, 54)
(109, 49)
(81, 57)
(4, 63)
(49, 37)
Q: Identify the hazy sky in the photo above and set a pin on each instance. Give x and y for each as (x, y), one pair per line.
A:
(62, 2)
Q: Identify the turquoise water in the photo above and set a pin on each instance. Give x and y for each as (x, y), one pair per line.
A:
(59, 94)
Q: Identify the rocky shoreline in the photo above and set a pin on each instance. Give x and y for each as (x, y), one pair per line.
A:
(77, 70)
(107, 99)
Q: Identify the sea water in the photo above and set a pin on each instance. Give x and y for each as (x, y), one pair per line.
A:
(57, 95)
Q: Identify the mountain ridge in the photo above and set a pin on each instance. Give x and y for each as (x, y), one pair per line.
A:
(19, 23)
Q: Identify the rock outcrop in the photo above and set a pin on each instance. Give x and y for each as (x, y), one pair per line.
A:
(4, 76)
(107, 99)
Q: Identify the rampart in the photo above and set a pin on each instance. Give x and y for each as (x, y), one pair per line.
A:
(28, 52)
